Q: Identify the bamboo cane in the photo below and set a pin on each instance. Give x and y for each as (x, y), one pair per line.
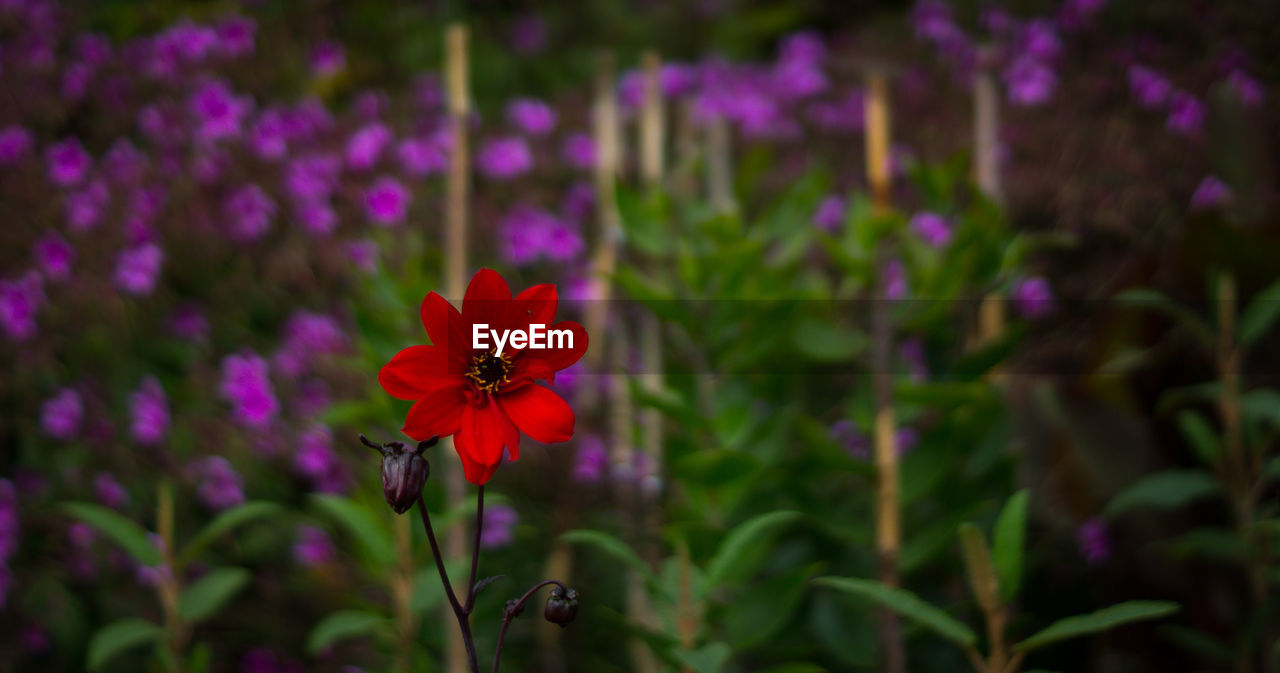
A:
(986, 173)
(888, 537)
(719, 166)
(458, 189)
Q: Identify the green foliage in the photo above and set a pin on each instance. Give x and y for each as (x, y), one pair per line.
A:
(906, 604)
(1165, 490)
(610, 545)
(745, 547)
(117, 637)
(1096, 622)
(129, 535)
(206, 596)
(344, 626)
(367, 527)
(1009, 544)
(224, 523)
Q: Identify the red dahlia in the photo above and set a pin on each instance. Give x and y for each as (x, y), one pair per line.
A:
(486, 398)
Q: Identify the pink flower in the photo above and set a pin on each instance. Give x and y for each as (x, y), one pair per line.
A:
(68, 162)
(505, 158)
(20, 301)
(137, 269)
(15, 143)
(54, 255)
(246, 386)
(366, 145)
(386, 201)
(531, 116)
(579, 151)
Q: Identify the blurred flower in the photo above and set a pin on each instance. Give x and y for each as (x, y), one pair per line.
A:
(1039, 40)
(316, 216)
(249, 212)
(1148, 87)
(10, 526)
(846, 114)
(845, 433)
(34, 639)
(20, 300)
(805, 46)
(1186, 114)
(1074, 14)
(1246, 88)
(505, 158)
(15, 143)
(246, 386)
(427, 91)
(579, 151)
(363, 254)
(312, 177)
(109, 491)
(221, 487)
(62, 414)
(149, 408)
(579, 201)
(422, 156)
(217, 111)
(499, 526)
(366, 145)
(369, 104)
(912, 352)
(591, 462)
(1029, 81)
(312, 547)
(312, 398)
(485, 399)
(1032, 297)
(54, 256)
(268, 135)
(316, 460)
(137, 269)
(528, 34)
(75, 81)
(124, 163)
(932, 228)
(893, 276)
(529, 234)
(1211, 192)
(306, 337)
(68, 162)
(85, 206)
(263, 660)
(831, 211)
(531, 116)
(236, 35)
(1094, 541)
(327, 58)
(386, 201)
(188, 323)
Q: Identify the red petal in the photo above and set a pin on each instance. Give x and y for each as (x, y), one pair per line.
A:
(439, 413)
(485, 431)
(418, 371)
(488, 301)
(442, 320)
(539, 413)
(537, 305)
(528, 368)
(476, 473)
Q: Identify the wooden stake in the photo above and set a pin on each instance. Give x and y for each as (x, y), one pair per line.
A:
(888, 536)
(986, 174)
(458, 191)
(720, 166)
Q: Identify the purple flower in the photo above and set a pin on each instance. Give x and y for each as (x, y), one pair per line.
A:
(249, 211)
(932, 228)
(804, 47)
(386, 201)
(369, 104)
(894, 279)
(579, 201)
(124, 163)
(531, 116)
(245, 385)
(1076, 13)
(366, 145)
(846, 114)
(912, 352)
(221, 487)
(364, 254)
(34, 639)
(312, 177)
(1029, 81)
(137, 269)
(92, 48)
(62, 414)
(427, 91)
(109, 491)
(1039, 40)
(308, 336)
(528, 235)
(579, 151)
(68, 162)
(499, 525)
(422, 156)
(188, 323)
(831, 213)
(1094, 542)
(54, 256)
(217, 111)
(1248, 89)
(505, 158)
(149, 408)
(793, 80)
(1211, 192)
(20, 300)
(1033, 297)
(85, 206)
(269, 135)
(235, 35)
(316, 460)
(845, 433)
(316, 216)
(10, 526)
(563, 242)
(312, 547)
(75, 81)
(15, 143)
(262, 660)
(528, 34)
(327, 58)
(1148, 87)
(591, 463)
(1186, 114)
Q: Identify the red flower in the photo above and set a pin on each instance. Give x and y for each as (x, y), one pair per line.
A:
(484, 398)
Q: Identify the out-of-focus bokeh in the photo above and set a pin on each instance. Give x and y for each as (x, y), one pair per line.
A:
(925, 336)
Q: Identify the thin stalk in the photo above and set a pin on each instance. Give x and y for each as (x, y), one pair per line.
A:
(459, 612)
(402, 591)
(475, 550)
(510, 613)
(986, 174)
(170, 590)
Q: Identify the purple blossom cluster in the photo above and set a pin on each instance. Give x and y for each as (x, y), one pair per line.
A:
(220, 486)
(247, 387)
(315, 459)
(499, 526)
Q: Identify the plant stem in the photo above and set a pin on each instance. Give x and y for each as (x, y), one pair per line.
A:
(510, 614)
(464, 622)
(170, 590)
(475, 551)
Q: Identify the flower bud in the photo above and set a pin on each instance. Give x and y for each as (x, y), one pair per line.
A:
(562, 606)
(513, 609)
(404, 472)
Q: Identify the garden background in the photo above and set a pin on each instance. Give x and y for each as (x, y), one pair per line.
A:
(921, 334)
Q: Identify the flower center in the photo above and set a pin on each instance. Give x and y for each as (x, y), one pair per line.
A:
(489, 372)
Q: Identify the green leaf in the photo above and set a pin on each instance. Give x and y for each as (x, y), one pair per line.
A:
(1008, 544)
(1260, 314)
(1200, 435)
(977, 562)
(610, 545)
(117, 637)
(706, 659)
(745, 547)
(822, 341)
(1152, 300)
(225, 523)
(1096, 622)
(367, 529)
(906, 604)
(122, 530)
(204, 597)
(342, 626)
(1164, 490)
